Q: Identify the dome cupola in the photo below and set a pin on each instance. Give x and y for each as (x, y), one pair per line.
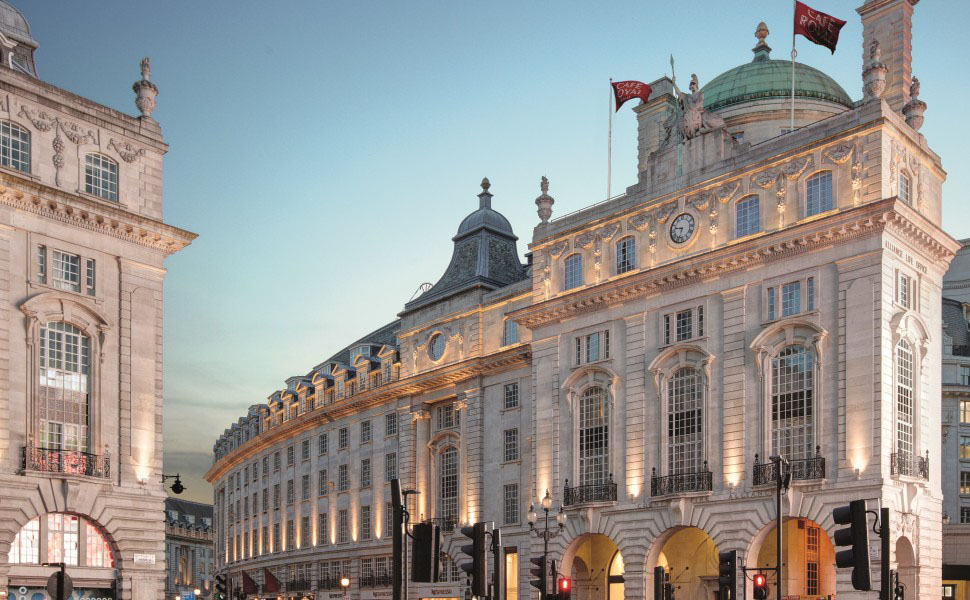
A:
(16, 44)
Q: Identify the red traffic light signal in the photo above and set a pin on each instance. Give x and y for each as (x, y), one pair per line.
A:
(760, 586)
(565, 584)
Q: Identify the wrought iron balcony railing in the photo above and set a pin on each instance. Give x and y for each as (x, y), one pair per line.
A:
(961, 350)
(910, 465)
(681, 483)
(444, 523)
(594, 492)
(297, 585)
(804, 469)
(372, 581)
(328, 583)
(70, 462)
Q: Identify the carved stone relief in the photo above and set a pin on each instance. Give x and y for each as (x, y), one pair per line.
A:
(700, 201)
(558, 248)
(665, 212)
(919, 188)
(126, 151)
(72, 131)
(840, 153)
(639, 222)
(607, 233)
(765, 179)
(795, 168)
(857, 181)
(727, 191)
(585, 240)
(898, 157)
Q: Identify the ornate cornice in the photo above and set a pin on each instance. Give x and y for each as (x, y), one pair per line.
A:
(92, 215)
(782, 244)
(512, 358)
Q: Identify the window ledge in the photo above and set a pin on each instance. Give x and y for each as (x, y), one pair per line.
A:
(693, 340)
(815, 312)
(517, 461)
(590, 504)
(592, 363)
(510, 408)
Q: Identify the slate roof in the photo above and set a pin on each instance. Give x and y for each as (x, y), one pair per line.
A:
(187, 507)
(954, 322)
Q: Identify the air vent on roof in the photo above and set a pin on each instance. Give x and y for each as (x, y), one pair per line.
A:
(424, 287)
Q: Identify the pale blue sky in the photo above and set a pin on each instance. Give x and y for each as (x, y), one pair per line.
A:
(326, 151)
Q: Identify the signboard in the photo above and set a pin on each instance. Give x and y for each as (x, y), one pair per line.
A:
(436, 591)
(60, 582)
(22, 592)
(188, 595)
(378, 594)
(144, 559)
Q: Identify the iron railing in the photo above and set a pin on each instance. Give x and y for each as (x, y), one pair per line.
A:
(961, 350)
(594, 492)
(444, 523)
(328, 583)
(681, 483)
(70, 462)
(371, 581)
(910, 465)
(804, 469)
(297, 585)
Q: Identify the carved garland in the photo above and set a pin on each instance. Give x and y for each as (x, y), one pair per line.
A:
(72, 131)
(126, 151)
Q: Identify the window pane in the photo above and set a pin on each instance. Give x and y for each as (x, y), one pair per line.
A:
(594, 440)
(101, 176)
(748, 212)
(791, 299)
(14, 146)
(625, 255)
(818, 190)
(904, 398)
(793, 403)
(573, 272)
(684, 406)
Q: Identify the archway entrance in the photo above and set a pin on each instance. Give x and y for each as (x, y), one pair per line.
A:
(906, 565)
(595, 564)
(807, 555)
(690, 559)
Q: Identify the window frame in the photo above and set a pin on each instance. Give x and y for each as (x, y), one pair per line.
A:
(96, 183)
(625, 253)
(743, 202)
(806, 188)
(572, 266)
(8, 150)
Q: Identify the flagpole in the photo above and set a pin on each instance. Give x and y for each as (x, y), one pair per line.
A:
(609, 144)
(793, 54)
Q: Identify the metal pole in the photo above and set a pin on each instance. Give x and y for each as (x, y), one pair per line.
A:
(885, 577)
(609, 152)
(793, 54)
(545, 551)
(778, 479)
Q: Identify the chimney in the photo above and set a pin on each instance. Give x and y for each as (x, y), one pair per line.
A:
(651, 116)
(891, 22)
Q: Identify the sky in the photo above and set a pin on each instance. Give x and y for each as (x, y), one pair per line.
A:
(325, 152)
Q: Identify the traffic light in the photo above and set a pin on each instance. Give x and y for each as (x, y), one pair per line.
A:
(424, 552)
(760, 586)
(857, 537)
(220, 593)
(478, 568)
(899, 592)
(727, 574)
(539, 575)
(564, 588)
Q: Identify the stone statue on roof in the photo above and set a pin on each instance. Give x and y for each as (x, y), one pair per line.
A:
(693, 119)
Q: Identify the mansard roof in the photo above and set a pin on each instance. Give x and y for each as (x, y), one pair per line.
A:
(955, 323)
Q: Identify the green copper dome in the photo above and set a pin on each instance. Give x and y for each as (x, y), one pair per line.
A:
(767, 78)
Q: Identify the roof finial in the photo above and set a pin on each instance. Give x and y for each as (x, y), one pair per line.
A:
(485, 198)
(545, 201)
(761, 49)
(145, 90)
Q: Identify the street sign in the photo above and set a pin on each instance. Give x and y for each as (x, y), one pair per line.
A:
(144, 559)
(52, 586)
(190, 595)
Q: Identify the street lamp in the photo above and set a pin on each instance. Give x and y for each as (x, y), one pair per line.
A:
(345, 583)
(197, 592)
(546, 534)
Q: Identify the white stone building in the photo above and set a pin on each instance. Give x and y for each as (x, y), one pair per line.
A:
(82, 245)
(757, 291)
(956, 426)
(189, 548)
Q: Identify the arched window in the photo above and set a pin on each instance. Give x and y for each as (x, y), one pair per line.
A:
(14, 146)
(626, 255)
(594, 437)
(685, 402)
(793, 403)
(904, 187)
(747, 216)
(818, 193)
(64, 387)
(101, 176)
(61, 537)
(905, 437)
(572, 271)
(448, 483)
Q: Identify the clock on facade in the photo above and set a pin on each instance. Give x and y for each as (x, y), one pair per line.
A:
(682, 228)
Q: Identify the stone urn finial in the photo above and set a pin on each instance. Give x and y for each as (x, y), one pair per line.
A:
(914, 109)
(145, 90)
(485, 198)
(874, 73)
(544, 201)
(761, 50)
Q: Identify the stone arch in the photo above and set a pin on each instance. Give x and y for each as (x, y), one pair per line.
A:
(796, 540)
(906, 566)
(689, 553)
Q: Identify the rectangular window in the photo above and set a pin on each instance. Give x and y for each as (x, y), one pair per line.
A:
(276, 461)
(265, 537)
(290, 492)
(265, 466)
(304, 532)
(276, 495)
(964, 482)
(685, 319)
(903, 291)
(343, 478)
(511, 503)
(89, 277)
(791, 299)
(625, 255)
(573, 272)
(265, 500)
(748, 216)
(290, 456)
(276, 538)
(290, 535)
(365, 473)
(343, 527)
(322, 444)
(965, 447)
(305, 487)
(322, 538)
(255, 471)
(811, 294)
(390, 424)
(965, 411)
(700, 321)
(511, 445)
(579, 351)
(592, 347)
(812, 556)
(342, 438)
(322, 483)
(447, 417)
(390, 466)
(67, 271)
(511, 395)
(666, 330)
(42, 264)
(365, 527)
(965, 514)
(964, 375)
(818, 191)
(365, 432)
(511, 334)
(388, 520)
(255, 503)
(771, 304)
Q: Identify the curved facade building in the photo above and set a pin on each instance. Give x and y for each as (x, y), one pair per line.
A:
(773, 294)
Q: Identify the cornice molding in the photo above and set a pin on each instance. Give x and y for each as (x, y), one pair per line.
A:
(89, 214)
(832, 230)
(455, 373)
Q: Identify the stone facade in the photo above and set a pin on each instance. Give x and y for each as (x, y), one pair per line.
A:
(744, 298)
(189, 548)
(82, 246)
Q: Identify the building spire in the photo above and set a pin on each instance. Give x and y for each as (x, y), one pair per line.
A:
(485, 198)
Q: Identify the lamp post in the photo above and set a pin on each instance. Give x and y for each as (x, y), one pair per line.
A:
(782, 481)
(345, 583)
(546, 534)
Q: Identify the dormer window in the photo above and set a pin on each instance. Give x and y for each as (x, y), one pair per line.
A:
(101, 176)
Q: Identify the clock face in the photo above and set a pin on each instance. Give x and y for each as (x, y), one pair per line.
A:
(682, 228)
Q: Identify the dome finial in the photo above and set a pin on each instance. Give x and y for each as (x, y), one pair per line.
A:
(485, 198)
(761, 49)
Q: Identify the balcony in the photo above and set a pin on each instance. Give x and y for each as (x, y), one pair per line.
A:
(682, 483)
(910, 465)
(68, 462)
(445, 524)
(328, 583)
(297, 585)
(586, 494)
(961, 350)
(373, 581)
(805, 469)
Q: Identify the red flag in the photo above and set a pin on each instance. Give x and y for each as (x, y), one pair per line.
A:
(627, 90)
(817, 27)
(272, 583)
(249, 586)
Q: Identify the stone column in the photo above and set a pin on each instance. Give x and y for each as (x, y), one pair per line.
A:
(735, 372)
(472, 452)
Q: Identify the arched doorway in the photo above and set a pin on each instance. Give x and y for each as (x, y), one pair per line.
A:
(808, 557)
(596, 566)
(689, 557)
(906, 566)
